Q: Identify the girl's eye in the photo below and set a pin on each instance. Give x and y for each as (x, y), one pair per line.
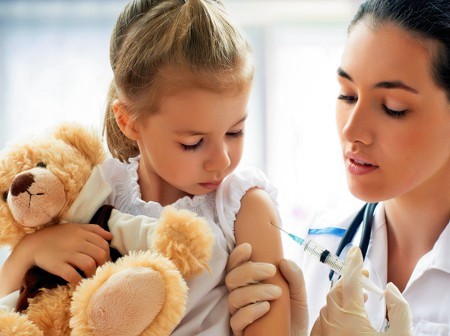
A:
(347, 99)
(5, 196)
(191, 148)
(236, 134)
(394, 113)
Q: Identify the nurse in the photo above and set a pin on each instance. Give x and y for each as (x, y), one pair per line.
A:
(393, 121)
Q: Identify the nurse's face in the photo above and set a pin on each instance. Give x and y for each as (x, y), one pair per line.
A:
(393, 120)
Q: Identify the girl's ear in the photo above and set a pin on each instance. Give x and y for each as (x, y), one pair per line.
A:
(123, 120)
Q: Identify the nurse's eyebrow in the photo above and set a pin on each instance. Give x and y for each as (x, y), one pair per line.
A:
(343, 74)
(395, 85)
(381, 85)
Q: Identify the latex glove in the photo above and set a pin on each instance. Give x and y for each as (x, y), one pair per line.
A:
(297, 292)
(248, 298)
(345, 314)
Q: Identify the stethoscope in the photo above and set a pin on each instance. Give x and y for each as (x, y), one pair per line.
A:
(363, 219)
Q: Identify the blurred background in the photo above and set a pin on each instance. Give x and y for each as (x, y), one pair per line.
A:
(54, 66)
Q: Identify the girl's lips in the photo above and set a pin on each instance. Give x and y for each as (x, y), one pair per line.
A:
(359, 167)
(210, 185)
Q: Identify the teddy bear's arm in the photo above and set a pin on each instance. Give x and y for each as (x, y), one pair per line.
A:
(131, 233)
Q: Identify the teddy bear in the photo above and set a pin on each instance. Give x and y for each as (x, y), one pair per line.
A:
(53, 179)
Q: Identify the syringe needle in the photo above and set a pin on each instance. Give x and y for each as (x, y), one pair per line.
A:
(281, 229)
(299, 240)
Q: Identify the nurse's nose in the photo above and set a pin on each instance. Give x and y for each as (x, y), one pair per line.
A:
(218, 159)
(356, 124)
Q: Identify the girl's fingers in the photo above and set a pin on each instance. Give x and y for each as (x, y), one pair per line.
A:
(97, 253)
(98, 230)
(84, 263)
(69, 273)
(99, 242)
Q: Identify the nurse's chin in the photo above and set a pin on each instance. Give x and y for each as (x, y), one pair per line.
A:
(370, 193)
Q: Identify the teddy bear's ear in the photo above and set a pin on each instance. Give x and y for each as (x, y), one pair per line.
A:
(86, 141)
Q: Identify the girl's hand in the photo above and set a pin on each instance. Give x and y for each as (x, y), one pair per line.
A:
(65, 248)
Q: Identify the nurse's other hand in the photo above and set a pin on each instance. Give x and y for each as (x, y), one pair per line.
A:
(345, 314)
(248, 299)
(297, 291)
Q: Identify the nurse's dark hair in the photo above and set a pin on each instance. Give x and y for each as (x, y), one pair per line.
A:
(423, 19)
(158, 46)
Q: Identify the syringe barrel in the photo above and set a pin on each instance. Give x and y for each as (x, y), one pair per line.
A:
(336, 264)
(324, 256)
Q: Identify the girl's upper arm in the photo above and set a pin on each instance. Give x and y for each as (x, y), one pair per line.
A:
(254, 225)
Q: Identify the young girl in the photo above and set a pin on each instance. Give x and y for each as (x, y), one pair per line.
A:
(175, 121)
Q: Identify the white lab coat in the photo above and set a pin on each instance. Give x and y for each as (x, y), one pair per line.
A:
(427, 291)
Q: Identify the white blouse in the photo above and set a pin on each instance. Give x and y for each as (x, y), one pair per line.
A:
(207, 308)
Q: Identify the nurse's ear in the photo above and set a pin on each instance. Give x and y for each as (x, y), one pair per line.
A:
(124, 119)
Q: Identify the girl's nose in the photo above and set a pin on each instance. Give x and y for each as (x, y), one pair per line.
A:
(219, 159)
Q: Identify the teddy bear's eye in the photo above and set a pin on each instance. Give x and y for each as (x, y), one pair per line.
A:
(5, 196)
(41, 165)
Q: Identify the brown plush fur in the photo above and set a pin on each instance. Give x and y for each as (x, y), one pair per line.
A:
(66, 162)
(14, 324)
(70, 153)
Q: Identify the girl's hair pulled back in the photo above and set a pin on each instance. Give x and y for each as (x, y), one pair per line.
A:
(155, 43)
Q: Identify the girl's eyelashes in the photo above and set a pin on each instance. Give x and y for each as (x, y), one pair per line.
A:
(237, 134)
(394, 113)
(191, 148)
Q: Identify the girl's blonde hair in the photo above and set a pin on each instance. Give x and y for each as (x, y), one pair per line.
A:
(157, 43)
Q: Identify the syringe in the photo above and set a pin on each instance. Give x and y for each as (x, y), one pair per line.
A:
(332, 260)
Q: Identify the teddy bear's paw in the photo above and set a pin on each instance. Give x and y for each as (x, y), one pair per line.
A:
(141, 294)
(185, 239)
(127, 303)
(15, 324)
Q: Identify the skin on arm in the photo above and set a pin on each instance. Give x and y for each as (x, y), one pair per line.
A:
(253, 225)
(58, 249)
(13, 271)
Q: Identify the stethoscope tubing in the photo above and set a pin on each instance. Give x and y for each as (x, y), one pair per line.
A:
(363, 219)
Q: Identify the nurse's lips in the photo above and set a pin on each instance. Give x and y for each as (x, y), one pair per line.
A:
(358, 166)
(211, 185)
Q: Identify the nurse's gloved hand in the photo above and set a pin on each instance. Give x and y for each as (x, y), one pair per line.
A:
(249, 298)
(345, 313)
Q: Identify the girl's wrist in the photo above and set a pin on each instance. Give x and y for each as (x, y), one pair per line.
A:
(12, 272)
(22, 256)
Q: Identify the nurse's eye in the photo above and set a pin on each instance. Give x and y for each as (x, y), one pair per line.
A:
(191, 148)
(348, 99)
(394, 113)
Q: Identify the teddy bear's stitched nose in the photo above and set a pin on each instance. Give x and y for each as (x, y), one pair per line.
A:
(21, 183)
